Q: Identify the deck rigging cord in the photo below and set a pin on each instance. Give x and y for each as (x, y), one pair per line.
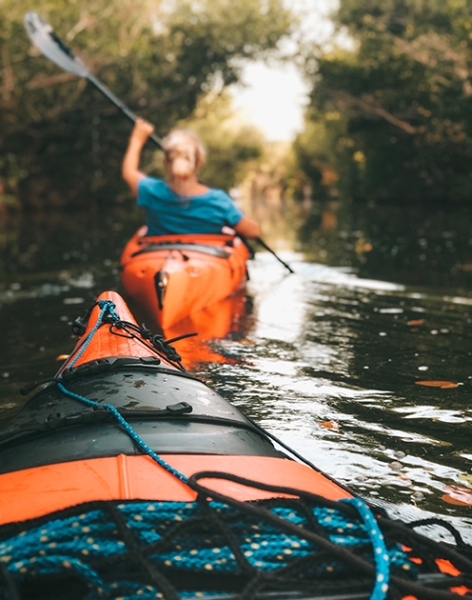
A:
(219, 547)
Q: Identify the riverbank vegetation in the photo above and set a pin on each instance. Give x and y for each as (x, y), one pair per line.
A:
(388, 118)
(61, 143)
(390, 110)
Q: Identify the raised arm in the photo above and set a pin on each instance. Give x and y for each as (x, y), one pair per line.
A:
(130, 166)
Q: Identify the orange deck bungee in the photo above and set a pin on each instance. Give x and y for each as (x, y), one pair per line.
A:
(173, 276)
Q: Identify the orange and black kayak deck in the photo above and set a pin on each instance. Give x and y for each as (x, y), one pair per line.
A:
(72, 462)
(56, 452)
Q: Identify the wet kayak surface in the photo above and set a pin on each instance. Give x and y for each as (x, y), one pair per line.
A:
(361, 360)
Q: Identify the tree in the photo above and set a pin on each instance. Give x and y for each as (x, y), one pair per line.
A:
(62, 141)
(392, 114)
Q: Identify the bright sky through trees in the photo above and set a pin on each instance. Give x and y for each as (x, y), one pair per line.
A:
(274, 97)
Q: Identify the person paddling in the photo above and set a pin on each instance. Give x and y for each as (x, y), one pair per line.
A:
(181, 204)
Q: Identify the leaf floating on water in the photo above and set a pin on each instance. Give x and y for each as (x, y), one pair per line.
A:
(416, 322)
(466, 478)
(440, 384)
(457, 495)
(62, 357)
(73, 301)
(329, 425)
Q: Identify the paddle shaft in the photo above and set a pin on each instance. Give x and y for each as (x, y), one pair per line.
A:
(121, 105)
(266, 247)
(51, 45)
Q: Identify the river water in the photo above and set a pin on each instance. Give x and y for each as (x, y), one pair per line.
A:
(329, 359)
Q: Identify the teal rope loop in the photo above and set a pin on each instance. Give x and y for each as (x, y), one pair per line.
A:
(108, 307)
(381, 556)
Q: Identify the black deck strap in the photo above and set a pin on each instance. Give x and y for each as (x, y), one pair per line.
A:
(441, 523)
(103, 366)
(138, 556)
(261, 513)
(395, 526)
(13, 592)
(201, 248)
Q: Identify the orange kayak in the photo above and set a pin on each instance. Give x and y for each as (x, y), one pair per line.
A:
(172, 276)
(127, 477)
(99, 462)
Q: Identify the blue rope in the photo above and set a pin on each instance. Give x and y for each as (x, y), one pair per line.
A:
(381, 556)
(107, 306)
(73, 543)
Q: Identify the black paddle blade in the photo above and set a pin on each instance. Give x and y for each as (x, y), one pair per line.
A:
(44, 38)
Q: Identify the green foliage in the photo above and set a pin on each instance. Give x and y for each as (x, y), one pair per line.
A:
(161, 59)
(402, 94)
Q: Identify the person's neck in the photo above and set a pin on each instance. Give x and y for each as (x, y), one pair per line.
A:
(189, 186)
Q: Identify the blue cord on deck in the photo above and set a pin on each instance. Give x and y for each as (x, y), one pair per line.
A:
(107, 306)
(381, 556)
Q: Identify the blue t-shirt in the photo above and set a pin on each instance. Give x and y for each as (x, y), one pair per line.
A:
(169, 213)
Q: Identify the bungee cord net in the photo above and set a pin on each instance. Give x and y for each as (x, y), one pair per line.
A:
(288, 547)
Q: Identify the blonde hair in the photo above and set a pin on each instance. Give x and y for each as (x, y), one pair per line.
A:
(176, 136)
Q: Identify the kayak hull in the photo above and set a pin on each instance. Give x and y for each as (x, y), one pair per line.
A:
(172, 276)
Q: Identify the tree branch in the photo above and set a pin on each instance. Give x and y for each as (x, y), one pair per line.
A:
(368, 105)
(8, 79)
(42, 81)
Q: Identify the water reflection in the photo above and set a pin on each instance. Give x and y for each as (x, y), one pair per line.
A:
(327, 358)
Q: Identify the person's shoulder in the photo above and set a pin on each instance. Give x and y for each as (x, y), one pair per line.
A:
(219, 194)
(152, 184)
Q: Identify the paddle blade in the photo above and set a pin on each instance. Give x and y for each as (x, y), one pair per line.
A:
(44, 38)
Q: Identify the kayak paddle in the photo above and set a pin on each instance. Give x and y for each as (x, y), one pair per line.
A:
(44, 38)
(266, 247)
